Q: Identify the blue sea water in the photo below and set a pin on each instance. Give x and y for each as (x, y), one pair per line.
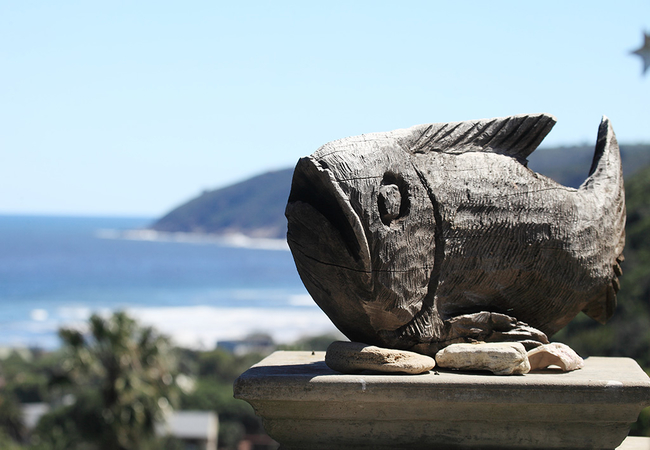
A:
(56, 271)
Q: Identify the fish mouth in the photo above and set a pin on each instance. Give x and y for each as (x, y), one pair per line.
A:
(314, 187)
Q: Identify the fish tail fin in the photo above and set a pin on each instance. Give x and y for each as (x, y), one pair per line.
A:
(605, 187)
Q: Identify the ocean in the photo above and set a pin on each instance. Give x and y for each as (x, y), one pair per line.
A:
(57, 271)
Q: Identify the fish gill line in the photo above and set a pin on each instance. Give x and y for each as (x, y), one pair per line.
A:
(439, 254)
(424, 316)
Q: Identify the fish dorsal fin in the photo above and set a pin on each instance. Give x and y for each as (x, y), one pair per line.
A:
(515, 136)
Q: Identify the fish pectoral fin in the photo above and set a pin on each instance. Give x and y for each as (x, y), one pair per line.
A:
(601, 308)
(492, 327)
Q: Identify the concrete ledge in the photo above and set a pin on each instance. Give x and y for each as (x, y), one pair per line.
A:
(304, 404)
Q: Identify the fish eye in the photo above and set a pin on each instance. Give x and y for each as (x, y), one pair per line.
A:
(393, 198)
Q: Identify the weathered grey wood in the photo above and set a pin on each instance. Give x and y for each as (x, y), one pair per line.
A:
(439, 233)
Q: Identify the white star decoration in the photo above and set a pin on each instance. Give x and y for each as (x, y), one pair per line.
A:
(644, 52)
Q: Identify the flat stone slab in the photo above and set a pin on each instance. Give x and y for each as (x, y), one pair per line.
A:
(306, 405)
(500, 358)
(355, 357)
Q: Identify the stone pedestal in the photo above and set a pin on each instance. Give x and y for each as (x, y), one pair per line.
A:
(306, 405)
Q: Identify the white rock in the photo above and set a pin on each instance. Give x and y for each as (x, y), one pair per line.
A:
(555, 354)
(500, 358)
(354, 357)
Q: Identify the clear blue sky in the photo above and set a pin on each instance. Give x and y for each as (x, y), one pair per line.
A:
(131, 108)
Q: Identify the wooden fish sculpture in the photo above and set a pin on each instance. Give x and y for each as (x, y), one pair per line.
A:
(436, 234)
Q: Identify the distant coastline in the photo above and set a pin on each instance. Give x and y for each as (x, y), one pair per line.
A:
(236, 240)
(253, 208)
(56, 272)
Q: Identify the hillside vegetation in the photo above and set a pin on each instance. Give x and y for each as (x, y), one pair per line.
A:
(255, 207)
(570, 165)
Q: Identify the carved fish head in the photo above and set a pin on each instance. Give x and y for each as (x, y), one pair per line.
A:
(352, 203)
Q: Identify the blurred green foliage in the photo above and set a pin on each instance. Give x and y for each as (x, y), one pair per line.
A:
(11, 423)
(216, 371)
(106, 387)
(121, 376)
(313, 343)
